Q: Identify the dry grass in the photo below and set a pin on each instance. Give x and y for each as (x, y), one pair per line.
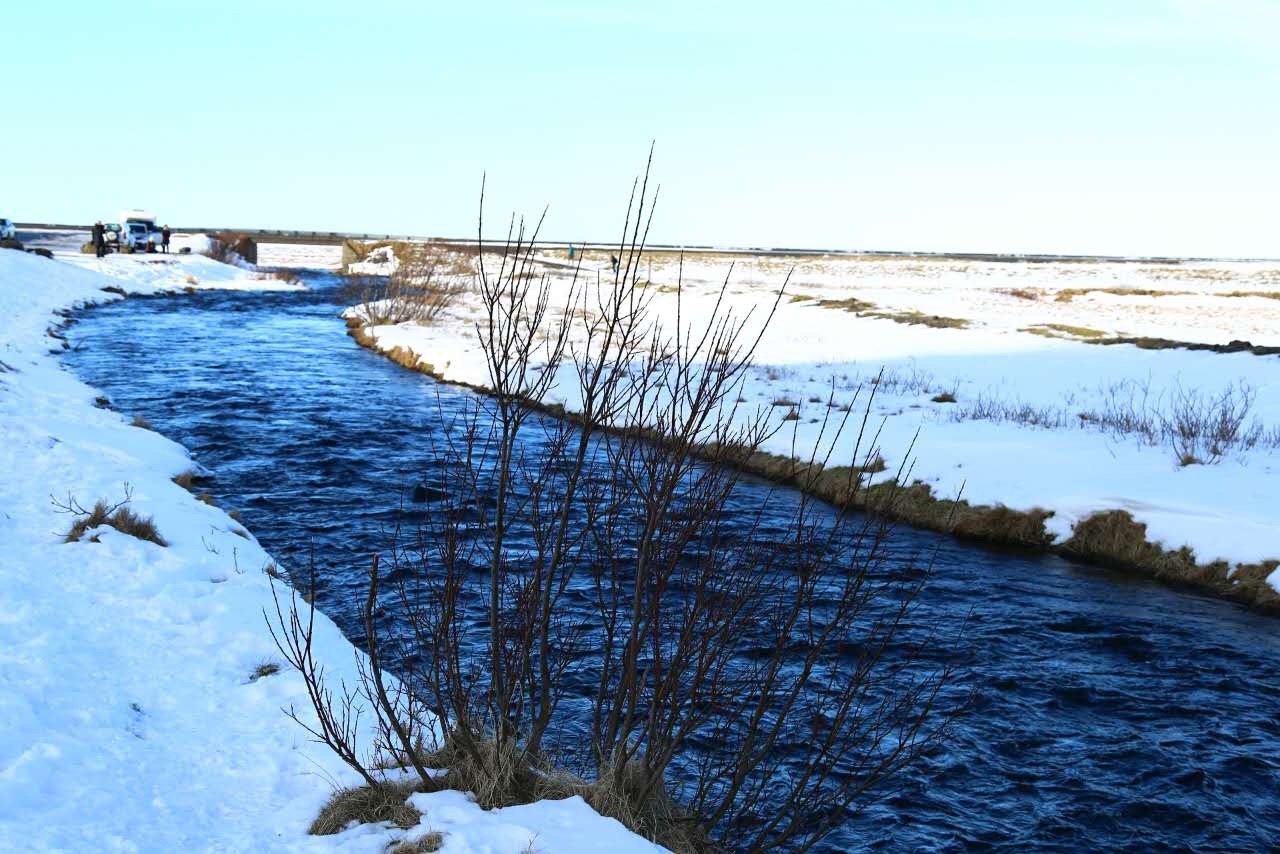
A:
(1068, 294)
(366, 805)
(862, 308)
(266, 668)
(850, 304)
(139, 421)
(919, 318)
(616, 795)
(945, 397)
(122, 519)
(1115, 538)
(1147, 343)
(1063, 330)
(1259, 294)
(428, 842)
(1021, 293)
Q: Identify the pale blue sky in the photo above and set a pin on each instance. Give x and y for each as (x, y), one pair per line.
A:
(1143, 126)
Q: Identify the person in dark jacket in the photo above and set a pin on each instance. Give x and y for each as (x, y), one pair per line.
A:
(99, 239)
(164, 239)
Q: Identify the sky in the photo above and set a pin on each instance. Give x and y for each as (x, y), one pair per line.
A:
(1147, 127)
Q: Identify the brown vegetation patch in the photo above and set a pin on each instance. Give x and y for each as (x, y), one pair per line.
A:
(850, 304)
(428, 842)
(1146, 343)
(1115, 538)
(1259, 294)
(366, 805)
(1063, 330)
(919, 318)
(1068, 294)
(1021, 293)
(119, 517)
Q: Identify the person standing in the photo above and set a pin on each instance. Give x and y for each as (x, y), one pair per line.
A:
(164, 239)
(99, 239)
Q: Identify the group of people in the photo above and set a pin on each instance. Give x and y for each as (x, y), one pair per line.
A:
(100, 239)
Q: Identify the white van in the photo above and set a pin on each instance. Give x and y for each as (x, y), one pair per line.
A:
(138, 231)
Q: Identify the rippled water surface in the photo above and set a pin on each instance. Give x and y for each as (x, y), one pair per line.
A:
(1111, 713)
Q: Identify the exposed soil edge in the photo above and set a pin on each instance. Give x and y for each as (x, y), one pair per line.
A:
(1110, 538)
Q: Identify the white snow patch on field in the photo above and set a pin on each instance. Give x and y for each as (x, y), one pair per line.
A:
(1016, 435)
(130, 718)
(300, 255)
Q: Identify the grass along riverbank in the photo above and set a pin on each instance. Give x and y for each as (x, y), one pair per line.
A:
(1137, 459)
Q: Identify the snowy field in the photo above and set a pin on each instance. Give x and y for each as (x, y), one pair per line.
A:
(1040, 418)
(304, 255)
(133, 718)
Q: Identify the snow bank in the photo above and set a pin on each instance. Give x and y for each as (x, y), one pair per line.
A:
(814, 355)
(381, 261)
(132, 721)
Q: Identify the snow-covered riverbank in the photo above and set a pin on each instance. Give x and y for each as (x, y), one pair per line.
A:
(1028, 420)
(134, 715)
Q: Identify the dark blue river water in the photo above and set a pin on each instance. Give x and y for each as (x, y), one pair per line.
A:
(1111, 713)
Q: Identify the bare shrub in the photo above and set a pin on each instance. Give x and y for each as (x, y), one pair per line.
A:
(1196, 427)
(582, 591)
(1206, 427)
(416, 292)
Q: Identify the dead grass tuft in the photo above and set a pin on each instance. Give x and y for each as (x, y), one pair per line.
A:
(945, 397)
(366, 805)
(617, 795)
(1021, 293)
(266, 668)
(1068, 294)
(850, 304)
(919, 318)
(1063, 330)
(139, 421)
(122, 519)
(431, 841)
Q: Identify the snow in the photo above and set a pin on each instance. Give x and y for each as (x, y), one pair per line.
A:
(301, 255)
(131, 718)
(381, 261)
(812, 354)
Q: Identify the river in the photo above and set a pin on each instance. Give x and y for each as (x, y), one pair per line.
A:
(1111, 713)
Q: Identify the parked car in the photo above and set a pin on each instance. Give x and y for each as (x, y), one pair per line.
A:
(141, 234)
(136, 237)
(8, 231)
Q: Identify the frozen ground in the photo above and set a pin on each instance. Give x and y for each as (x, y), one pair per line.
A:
(313, 257)
(1038, 421)
(131, 717)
